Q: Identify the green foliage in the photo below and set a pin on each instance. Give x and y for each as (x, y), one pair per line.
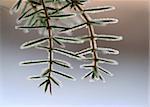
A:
(41, 15)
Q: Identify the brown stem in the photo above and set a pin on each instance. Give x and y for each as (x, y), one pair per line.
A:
(50, 43)
(93, 43)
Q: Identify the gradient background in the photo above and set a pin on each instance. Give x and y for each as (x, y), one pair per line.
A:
(129, 86)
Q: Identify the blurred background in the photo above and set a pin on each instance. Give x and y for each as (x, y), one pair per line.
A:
(129, 86)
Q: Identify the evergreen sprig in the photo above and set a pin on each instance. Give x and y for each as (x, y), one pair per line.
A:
(37, 15)
(41, 15)
(92, 38)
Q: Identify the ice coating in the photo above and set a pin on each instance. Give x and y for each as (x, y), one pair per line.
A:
(64, 62)
(108, 51)
(106, 37)
(62, 73)
(33, 62)
(104, 21)
(99, 9)
(68, 39)
(33, 43)
(102, 70)
(107, 61)
(84, 51)
(67, 53)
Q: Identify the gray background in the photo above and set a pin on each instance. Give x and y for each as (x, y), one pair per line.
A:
(129, 86)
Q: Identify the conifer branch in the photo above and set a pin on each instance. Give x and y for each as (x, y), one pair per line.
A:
(41, 19)
(91, 32)
(92, 37)
(40, 15)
